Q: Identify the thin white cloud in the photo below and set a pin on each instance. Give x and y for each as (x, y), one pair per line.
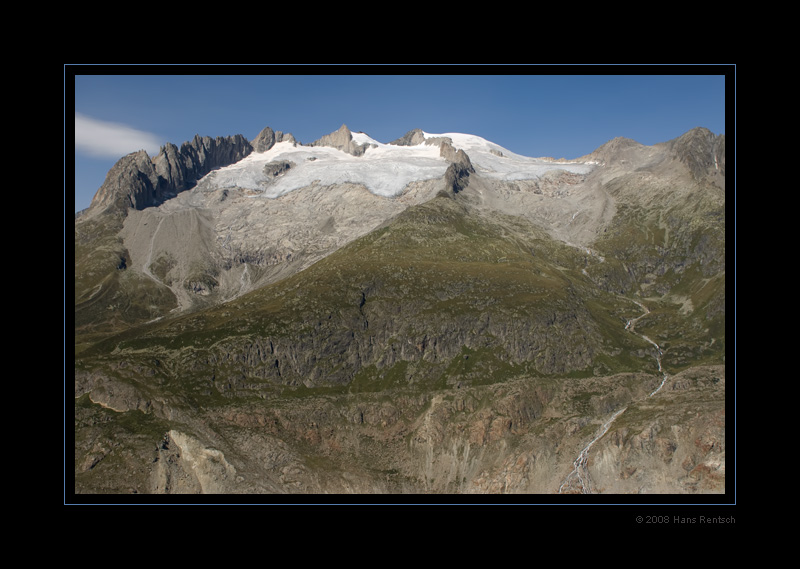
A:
(111, 140)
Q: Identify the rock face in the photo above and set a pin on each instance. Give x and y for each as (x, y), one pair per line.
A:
(137, 182)
(702, 152)
(457, 175)
(342, 139)
(411, 138)
(476, 340)
(267, 138)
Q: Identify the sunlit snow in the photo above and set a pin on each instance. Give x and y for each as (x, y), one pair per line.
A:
(384, 169)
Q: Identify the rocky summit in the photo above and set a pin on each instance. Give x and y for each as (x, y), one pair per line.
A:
(434, 315)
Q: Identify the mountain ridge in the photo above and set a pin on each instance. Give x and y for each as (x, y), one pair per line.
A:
(175, 170)
(472, 333)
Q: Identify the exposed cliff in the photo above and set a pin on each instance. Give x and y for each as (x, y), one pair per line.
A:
(267, 138)
(136, 181)
(342, 139)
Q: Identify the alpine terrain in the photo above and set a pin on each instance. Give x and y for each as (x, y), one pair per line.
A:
(432, 315)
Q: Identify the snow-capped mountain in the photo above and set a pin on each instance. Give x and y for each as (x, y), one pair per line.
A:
(385, 169)
(433, 314)
(280, 206)
(217, 218)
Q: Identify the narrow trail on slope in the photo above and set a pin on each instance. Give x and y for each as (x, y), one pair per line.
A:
(579, 478)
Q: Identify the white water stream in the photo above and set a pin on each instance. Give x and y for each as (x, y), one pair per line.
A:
(580, 471)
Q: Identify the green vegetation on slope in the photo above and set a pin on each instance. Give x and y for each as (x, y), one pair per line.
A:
(438, 297)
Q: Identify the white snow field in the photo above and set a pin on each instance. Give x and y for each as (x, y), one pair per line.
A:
(384, 169)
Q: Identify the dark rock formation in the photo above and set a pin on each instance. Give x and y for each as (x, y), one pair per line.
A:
(267, 138)
(264, 141)
(701, 151)
(456, 177)
(275, 169)
(131, 183)
(136, 181)
(457, 174)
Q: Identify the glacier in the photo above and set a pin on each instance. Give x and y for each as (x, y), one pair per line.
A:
(404, 164)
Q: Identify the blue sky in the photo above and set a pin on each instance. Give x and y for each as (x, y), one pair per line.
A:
(531, 111)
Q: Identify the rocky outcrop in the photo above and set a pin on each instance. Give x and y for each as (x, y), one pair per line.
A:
(131, 183)
(701, 151)
(411, 138)
(416, 137)
(342, 139)
(449, 153)
(264, 141)
(267, 138)
(275, 169)
(185, 466)
(136, 181)
(457, 174)
(698, 152)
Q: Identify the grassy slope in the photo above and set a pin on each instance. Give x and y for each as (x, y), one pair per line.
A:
(108, 298)
(440, 292)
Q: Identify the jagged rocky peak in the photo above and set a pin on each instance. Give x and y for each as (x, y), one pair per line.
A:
(702, 151)
(130, 183)
(204, 153)
(267, 138)
(417, 136)
(449, 153)
(457, 174)
(342, 139)
(411, 138)
(699, 150)
(137, 181)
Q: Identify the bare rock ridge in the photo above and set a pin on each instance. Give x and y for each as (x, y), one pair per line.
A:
(416, 136)
(136, 181)
(457, 174)
(342, 139)
(701, 151)
(267, 138)
(411, 138)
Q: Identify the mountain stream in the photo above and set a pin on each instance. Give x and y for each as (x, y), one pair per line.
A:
(579, 477)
